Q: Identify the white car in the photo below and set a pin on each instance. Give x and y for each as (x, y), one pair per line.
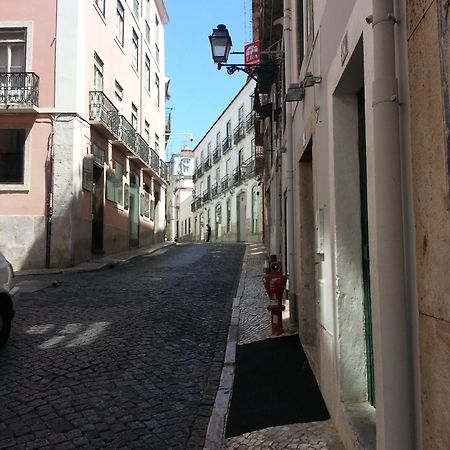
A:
(8, 298)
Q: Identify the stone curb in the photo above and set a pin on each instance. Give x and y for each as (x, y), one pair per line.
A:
(107, 262)
(216, 428)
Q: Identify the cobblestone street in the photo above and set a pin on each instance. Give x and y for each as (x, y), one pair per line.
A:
(128, 357)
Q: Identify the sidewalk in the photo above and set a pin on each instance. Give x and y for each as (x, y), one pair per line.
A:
(109, 261)
(250, 322)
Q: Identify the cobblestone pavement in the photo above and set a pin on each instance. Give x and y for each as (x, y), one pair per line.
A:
(128, 357)
(254, 325)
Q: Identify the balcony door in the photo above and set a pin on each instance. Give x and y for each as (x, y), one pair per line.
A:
(12, 66)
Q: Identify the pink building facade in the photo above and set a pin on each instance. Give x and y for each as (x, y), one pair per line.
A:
(82, 91)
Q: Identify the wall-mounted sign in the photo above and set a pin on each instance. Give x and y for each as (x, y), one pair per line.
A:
(251, 53)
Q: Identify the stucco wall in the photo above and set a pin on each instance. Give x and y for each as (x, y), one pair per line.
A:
(431, 208)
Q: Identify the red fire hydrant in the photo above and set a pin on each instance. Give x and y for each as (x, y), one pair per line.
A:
(275, 283)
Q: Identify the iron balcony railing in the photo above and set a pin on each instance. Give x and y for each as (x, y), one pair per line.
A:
(207, 163)
(216, 154)
(101, 109)
(239, 133)
(206, 195)
(214, 190)
(249, 121)
(225, 183)
(142, 148)
(237, 175)
(226, 145)
(19, 88)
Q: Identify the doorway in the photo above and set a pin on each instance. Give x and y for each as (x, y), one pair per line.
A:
(133, 212)
(97, 208)
(241, 217)
(353, 294)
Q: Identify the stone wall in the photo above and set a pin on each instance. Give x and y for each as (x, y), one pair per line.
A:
(428, 63)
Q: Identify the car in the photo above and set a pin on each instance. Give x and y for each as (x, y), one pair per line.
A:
(9, 294)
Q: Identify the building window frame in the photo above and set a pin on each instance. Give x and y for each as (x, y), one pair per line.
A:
(99, 68)
(101, 7)
(120, 24)
(147, 80)
(24, 184)
(134, 49)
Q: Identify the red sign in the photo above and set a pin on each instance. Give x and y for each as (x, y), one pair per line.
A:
(251, 53)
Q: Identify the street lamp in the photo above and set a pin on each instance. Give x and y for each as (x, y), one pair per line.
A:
(221, 43)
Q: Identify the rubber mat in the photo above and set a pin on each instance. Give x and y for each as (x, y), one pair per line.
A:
(273, 385)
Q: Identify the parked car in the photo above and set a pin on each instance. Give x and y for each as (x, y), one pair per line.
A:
(8, 298)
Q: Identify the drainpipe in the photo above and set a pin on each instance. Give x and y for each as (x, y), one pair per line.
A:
(393, 366)
(290, 164)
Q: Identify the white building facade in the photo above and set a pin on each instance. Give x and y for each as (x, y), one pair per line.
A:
(227, 176)
(181, 185)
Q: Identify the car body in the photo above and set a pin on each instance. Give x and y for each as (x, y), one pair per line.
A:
(9, 293)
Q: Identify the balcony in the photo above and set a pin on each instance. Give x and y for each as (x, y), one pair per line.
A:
(226, 145)
(216, 154)
(207, 163)
(214, 190)
(19, 92)
(239, 133)
(249, 121)
(237, 176)
(225, 183)
(103, 115)
(248, 168)
(206, 196)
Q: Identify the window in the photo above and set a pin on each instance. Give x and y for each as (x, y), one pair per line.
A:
(98, 73)
(241, 115)
(147, 132)
(218, 141)
(157, 89)
(118, 97)
(12, 51)
(120, 21)
(156, 38)
(101, 6)
(147, 32)
(229, 129)
(157, 144)
(12, 156)
(136, 7)
(255, 210)
(147, 72)
(228, 215)
(135, 50)
(134, 116)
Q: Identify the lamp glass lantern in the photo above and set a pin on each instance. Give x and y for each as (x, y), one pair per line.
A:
(220, 41)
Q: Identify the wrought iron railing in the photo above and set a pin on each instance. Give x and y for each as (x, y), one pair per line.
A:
(207, 163)
(101, 109)
(154, 161)
(216, 154)
(142, 148)
(239, 133)
(206, 195)
(249, 121)
(214, 190)
(226, 145)
(225, 183)
(19, 88)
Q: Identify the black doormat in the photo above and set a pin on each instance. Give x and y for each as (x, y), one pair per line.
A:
(273, 385)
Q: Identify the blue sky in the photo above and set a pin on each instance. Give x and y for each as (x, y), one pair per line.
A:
(199, 92)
